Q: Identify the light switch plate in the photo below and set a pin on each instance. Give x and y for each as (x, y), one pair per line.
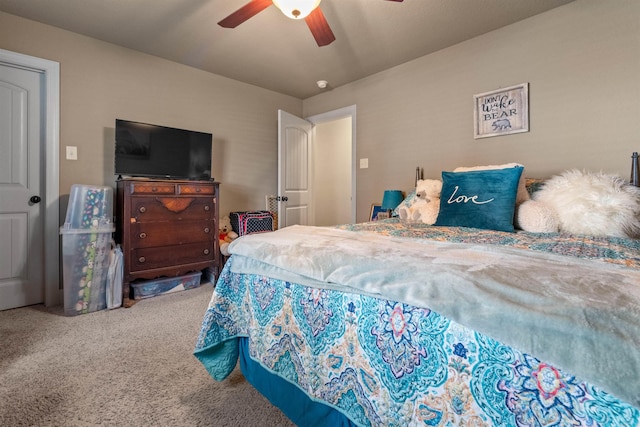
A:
(72, 152)
(364, 163)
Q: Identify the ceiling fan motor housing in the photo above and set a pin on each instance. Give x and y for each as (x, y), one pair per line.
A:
(296, 9)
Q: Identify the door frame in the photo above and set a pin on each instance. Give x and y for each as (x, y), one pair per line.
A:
(338, 114)
(50, 71)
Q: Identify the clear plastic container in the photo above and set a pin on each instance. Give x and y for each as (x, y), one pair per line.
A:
(89, 207)
(86, 245)
(85, 265)
(165, 285)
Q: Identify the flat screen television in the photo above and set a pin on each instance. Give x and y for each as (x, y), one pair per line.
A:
(148, 150)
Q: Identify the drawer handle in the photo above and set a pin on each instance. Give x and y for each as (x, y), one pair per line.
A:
(143, 235)
(207, 208)
(142, 209)
(206, 229)
(198, 189)
(154, 189)
(206, 252)
(141, 259)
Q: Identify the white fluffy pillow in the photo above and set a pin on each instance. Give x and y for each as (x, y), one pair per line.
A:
(521, 196)
(593, 203)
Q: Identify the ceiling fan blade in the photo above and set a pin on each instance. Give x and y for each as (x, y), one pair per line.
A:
(245, 12)
(319, 27)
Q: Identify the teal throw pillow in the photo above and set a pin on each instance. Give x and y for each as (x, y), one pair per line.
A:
(479, 199)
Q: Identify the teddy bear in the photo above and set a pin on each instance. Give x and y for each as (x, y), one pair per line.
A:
(425, 206)
(583, 202)
(226, 235)
(536, 217)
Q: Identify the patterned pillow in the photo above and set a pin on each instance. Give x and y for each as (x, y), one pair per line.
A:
(533, 184)
(479, 199)
(408, 201)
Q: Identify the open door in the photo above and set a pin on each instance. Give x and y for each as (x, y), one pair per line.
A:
(294, 170)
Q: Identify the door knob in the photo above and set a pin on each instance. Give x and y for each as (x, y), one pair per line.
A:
(35, 199)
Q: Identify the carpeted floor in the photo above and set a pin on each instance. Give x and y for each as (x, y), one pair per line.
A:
(123, 367)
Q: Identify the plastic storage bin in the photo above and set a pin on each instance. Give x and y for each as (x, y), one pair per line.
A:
(90, 207)
(86, 245)
(85, 264)
(151, 288)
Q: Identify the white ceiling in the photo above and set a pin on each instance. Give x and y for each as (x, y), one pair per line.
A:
(273, 51)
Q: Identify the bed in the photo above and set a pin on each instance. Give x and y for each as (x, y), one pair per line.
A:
(391, 323)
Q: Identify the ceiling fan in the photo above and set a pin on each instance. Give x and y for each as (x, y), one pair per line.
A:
(308, 10)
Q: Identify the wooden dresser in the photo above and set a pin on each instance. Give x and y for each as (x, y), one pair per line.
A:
(166, 228)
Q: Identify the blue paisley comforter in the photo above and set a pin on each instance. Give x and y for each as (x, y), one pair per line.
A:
(426, 353)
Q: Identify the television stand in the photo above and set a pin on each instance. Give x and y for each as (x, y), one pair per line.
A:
(166, 228)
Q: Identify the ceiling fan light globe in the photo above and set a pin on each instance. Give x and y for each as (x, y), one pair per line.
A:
(296, 9)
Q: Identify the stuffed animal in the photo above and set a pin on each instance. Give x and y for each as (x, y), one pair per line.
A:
(226, 235)
(426, 205)
(536, 217)
(592, 203)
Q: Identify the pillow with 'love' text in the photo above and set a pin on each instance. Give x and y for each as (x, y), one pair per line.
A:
(479, 199)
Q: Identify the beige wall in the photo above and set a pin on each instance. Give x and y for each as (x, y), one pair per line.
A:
(582, 63)
(100, 82)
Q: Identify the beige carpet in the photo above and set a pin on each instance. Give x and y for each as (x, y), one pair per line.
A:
(123, 367)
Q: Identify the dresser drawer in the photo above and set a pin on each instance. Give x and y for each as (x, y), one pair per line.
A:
(162, 257)
(152, 187)
(151, 234)
(202, 189)
(171, 208)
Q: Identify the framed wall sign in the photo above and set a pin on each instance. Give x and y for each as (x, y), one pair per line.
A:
(501, 112)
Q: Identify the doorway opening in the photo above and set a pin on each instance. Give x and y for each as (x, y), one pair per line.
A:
(334, 168)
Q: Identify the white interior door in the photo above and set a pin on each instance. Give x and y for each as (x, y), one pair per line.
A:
(21, 213)
(295, 205)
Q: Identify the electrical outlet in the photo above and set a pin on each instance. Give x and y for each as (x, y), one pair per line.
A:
(364, 163)
(72, 152)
